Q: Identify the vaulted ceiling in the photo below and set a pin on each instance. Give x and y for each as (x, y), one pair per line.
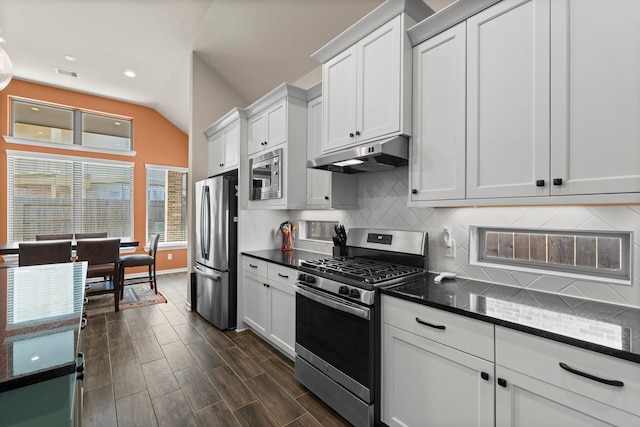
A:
(252, 45)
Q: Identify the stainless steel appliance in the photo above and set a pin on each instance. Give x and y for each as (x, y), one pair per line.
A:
(337, 316)
(216, 250)
(265, 176)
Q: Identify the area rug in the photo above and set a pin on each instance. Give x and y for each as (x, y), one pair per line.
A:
(135, 296)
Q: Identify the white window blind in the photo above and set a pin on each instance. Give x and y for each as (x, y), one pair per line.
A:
(167, 203)
(52, 195)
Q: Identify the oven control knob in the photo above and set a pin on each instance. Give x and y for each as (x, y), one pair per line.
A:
(302, 277)
(354, 293)
(343, 290)
(310, 279)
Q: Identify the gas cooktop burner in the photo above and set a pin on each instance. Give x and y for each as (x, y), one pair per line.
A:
(366, 271)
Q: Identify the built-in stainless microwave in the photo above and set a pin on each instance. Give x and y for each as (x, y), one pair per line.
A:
(265, 176)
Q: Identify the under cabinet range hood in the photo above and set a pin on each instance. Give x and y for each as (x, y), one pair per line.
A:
(372, 157)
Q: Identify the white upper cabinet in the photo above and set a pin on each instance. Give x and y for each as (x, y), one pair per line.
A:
(551, 104)
(325, 190)
(508, 100)
(437, 156)
(366, 77)
(595, 97)
(278, 120)
(268, 128)
(224, 142)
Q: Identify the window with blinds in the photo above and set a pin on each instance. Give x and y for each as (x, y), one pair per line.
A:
(167, 203)
(60, 194)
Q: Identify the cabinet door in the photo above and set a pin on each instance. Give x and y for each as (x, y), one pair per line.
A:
(276, 122)
(282, 315)
(216, 154)
(437, 169)
(523, 401)
(508, 100)
(256, 133)
(318, 188)
(231, 146)
(595, 101)
(254, 303)
(378, 82)
(339, 100)
(425, 383)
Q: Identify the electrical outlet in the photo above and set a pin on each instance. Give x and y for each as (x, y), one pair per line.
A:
(450, 251)
(169, 256)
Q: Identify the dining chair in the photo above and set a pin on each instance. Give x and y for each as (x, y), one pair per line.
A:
(102, 261)
(99, 235)
(64, 236)
(141, 260)
(37, 253)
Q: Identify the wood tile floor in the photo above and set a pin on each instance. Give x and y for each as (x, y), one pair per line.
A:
(162, 365)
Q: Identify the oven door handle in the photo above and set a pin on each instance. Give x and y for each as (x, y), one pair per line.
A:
(333, 303)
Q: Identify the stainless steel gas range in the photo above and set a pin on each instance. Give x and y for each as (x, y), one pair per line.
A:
(337, 327)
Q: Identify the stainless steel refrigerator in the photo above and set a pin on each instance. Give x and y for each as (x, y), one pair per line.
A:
(216, 250)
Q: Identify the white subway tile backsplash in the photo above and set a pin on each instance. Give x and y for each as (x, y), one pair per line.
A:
(382, 197)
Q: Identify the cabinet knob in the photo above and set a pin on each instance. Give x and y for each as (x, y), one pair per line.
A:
(414, 191)
(484, 376)
(557, 181)
(502, 382)
(351, 135)
(326, 197)
(358, 132)
(221, 164)
(540, 183)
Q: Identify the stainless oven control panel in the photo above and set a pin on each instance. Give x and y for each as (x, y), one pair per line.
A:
(353, 293)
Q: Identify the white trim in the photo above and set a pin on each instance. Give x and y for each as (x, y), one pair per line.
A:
(169, 246)
(168, 168)
(75, 147)
(158, 273)
(49, 156)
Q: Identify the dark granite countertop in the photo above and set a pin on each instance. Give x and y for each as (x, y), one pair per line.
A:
(605, 328)
(40, 317)
(287, 258)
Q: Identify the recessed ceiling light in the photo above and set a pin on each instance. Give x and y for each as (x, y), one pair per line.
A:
(35, 108)
(117, 123)
(129, 73)
(70, 58)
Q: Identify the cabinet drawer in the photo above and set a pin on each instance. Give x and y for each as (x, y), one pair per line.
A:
(281, 274)
(540, 358)
(254, 266)
(469, 335)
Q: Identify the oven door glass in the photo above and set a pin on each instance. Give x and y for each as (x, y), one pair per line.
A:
(341, 339)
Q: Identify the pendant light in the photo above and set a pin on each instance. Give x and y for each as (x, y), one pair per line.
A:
(6, 69)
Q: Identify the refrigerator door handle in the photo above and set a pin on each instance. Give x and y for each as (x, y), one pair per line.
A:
(205, 212)
(214, 276)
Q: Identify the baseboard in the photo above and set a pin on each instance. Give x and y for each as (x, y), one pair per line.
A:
(159, 273)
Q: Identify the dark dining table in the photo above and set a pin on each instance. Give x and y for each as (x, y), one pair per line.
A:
(11, 248)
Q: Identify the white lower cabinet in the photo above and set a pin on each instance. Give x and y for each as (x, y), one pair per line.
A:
(432, 377)
(268, 302)
(428, 382)
(254, 303)
(533, 389)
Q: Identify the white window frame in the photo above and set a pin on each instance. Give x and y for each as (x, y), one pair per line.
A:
(84, 160)
(163, 245)
(476, 255)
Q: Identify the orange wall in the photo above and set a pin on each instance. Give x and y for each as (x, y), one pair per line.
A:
(156, 141)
